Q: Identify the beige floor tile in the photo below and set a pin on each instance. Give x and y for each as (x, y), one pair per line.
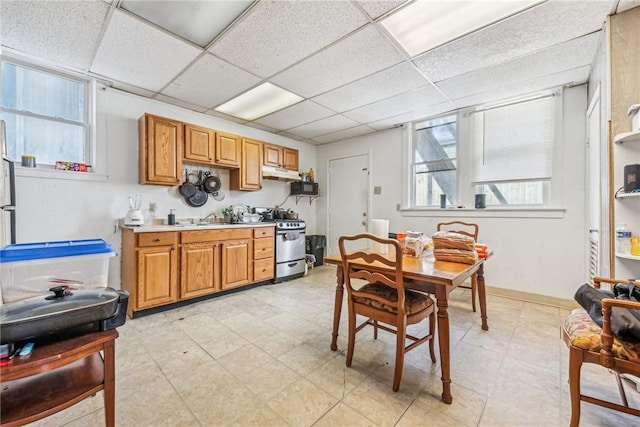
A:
(302, 403)
(268, 380)
(378, 401)
(336, 378)
(224, 343)
(342, 415)
(259, 416)
(245, 359)
(276, 344)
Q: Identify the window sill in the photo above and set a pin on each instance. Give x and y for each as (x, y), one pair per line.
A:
(50, 173)
(484, 213)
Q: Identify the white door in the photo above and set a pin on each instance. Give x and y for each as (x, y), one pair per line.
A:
(348, 179)
(593, 183)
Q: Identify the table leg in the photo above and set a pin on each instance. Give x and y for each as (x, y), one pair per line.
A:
(483, 298)
(443, 340)
(109, 384)
(337, 307)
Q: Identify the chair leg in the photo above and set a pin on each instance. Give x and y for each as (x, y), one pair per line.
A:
(432, 332)
(623, 395)
(400, 339)
(375, 329)
(352, 335)
(575, 364)
(474, 291)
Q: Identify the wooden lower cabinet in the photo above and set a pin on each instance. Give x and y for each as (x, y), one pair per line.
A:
(236, 263)
(199, 269)
(160, 268)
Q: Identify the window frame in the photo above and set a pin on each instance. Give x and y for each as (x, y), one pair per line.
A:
(466, 189)
(89, 113)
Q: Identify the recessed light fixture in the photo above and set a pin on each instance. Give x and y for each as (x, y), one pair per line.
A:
(259, 101)
(426, 24)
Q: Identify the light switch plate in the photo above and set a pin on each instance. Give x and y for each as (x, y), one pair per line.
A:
(377, 189)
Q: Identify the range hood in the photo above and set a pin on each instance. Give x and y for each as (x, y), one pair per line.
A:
(270, 172)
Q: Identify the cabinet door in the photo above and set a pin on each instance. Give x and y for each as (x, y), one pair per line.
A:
(160, 157)
(249, 176)
(199, 270)
(227, 150)
(236, 263)
(157, 276)
(290, 159)
(272, 155)
(199, 144)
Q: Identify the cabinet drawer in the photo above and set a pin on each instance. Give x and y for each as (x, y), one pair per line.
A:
(263, 269)
(157, 239)
(261, 232)
(215, 235)
(263, 248)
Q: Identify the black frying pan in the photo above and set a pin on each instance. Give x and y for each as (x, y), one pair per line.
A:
(211, 183)
(187, 189)
(198, 198)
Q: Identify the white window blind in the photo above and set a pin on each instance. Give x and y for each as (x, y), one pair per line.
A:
(514, 142)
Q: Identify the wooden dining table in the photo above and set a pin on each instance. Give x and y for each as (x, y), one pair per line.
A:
(438, 278)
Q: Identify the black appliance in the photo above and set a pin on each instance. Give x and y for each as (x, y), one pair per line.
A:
(301, 188)
(631, 178)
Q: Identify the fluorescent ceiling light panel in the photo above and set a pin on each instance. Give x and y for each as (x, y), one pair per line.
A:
(426, 24)
(259, 101)
(197, 21)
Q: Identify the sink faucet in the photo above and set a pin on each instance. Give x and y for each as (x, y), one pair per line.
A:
(212, 214)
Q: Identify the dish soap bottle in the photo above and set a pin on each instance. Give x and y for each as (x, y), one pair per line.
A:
(311, 176)
(171, 218)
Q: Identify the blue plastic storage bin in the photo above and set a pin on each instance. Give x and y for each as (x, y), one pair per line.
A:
(30, 269)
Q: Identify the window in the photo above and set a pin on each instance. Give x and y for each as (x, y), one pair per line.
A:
(46, 114)
(434, 161)
(512, 151)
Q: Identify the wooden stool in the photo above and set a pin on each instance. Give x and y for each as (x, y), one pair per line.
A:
(58, 375)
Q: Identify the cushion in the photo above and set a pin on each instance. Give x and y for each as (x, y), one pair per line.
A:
(413, 302)
(584, 333)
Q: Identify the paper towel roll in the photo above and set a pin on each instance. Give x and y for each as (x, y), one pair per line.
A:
(380, 227)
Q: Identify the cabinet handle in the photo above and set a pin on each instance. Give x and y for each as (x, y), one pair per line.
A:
(173, 248)
(156, 240)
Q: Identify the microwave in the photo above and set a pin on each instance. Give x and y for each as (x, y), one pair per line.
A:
(304, 188)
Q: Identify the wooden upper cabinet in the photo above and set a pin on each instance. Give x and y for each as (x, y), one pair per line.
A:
(272, 155)
(227, 150)
(199, 144)
(280, 157)
(249, 176)
(290, 158)
(160, 154)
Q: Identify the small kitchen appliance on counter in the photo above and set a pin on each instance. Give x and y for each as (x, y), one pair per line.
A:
(134, 216)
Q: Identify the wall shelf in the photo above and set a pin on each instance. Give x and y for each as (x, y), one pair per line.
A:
(622, 195)
(311, 198)
(627, 137)
(627, 256)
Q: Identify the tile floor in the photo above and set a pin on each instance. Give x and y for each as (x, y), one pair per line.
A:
(261, 357)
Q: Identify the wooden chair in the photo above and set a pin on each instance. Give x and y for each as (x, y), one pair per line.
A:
(382, 298)
(588, 343)
(471, 230)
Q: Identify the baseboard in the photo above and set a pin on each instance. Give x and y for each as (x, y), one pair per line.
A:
(531, 297)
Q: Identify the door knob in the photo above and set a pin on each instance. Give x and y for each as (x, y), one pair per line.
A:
(364, 214)
(364, 223)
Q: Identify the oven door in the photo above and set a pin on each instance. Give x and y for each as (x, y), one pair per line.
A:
(290, 246)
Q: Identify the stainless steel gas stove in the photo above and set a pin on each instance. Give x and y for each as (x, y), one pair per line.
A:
(290, 249)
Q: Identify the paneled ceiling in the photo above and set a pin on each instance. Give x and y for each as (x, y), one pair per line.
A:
(354, 77)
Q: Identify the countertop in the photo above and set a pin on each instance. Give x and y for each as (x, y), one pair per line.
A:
(192, 227)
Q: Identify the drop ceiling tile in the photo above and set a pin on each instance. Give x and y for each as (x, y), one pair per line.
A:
(410, 116)
(276, 34)
(409, 101)
(377, 8)
(296, 115)
(261, 127)
(626, 5)
(323, 126)
(344, 134)
(224, 116)
(292, 136)
(209, 82)
(572, 77)
(565, 56)
(138, 54)
(180, 103)
(384, 84)
(542, 26)
(359, 55)
(133, 89)
(53, 30)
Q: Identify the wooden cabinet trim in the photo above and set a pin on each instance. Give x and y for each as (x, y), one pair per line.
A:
(157, 239)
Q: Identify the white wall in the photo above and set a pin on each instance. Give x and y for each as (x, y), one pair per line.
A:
(545, 256)
(51, 208)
